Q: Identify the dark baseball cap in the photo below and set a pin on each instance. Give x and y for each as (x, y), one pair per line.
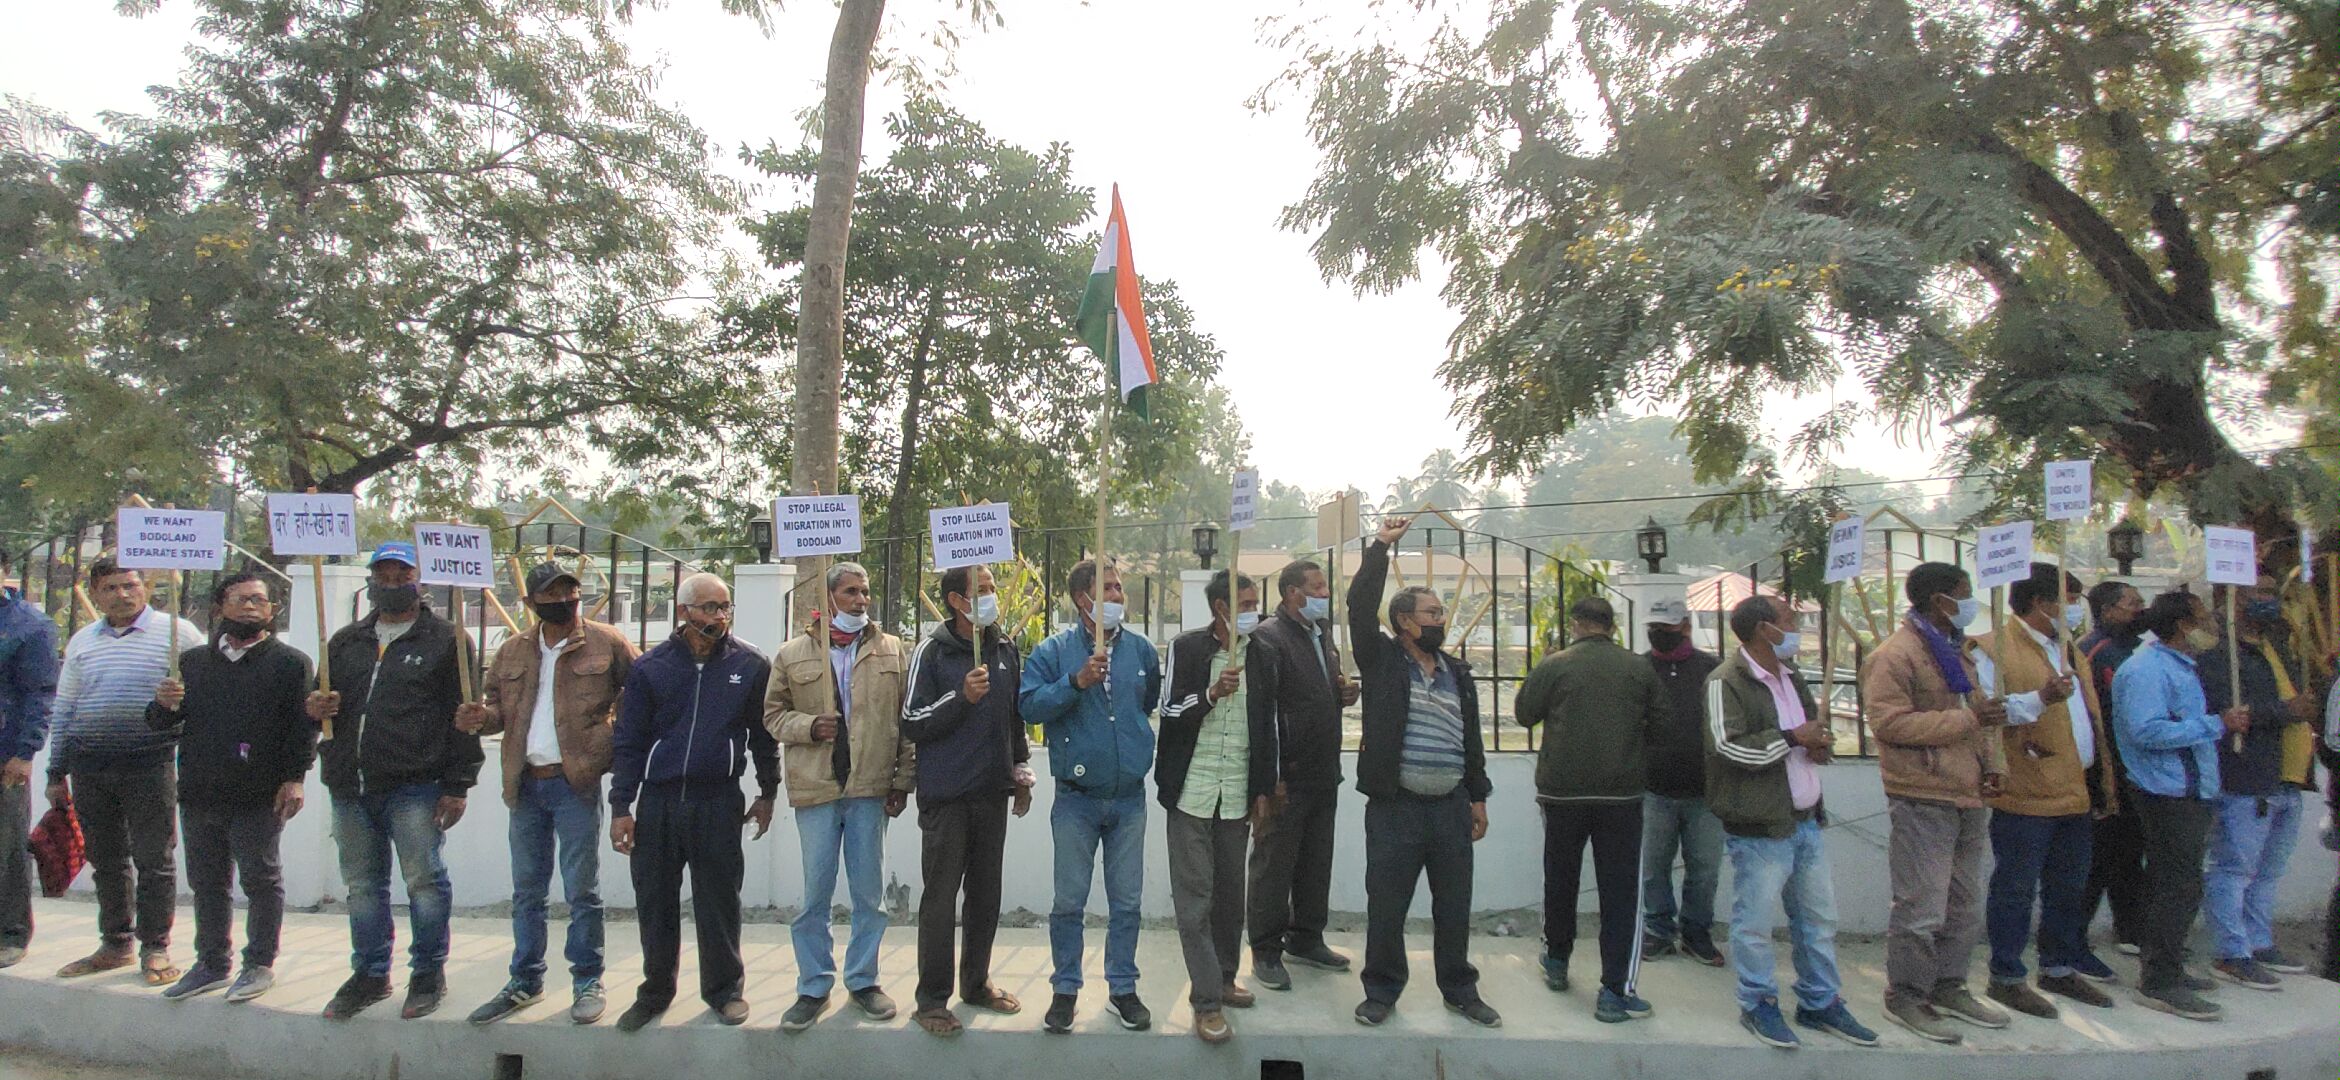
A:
(545, 575)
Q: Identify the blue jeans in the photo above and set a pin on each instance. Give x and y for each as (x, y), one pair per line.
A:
(2043, 859)
(1082, 824)
(1666, 825)
(551, 813)
(2249, 847)
(1793, 871)
(857, 829)
(365, 828)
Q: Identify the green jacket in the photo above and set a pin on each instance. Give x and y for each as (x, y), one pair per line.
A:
(1746, 752)
(1599, 705)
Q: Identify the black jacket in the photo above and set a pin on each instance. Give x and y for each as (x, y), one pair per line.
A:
(243, 730)
(1388, 691)
(397, 720)
(1295, 710)
(2258, 769)
(1186, 703)
(963, 749)
(1675, 755)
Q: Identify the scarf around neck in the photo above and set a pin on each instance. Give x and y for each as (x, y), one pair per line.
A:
(1945, 651)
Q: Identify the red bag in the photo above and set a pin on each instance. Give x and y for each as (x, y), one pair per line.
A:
(56, 849)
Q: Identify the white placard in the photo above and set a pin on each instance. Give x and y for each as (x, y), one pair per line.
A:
(460, 555)
(148, 539)
(1244, 513)
(2071, 491)
(2230, 556)
(312, 524)
(2003, 555)
(2307, 555)
(1846, 539)
(805, 525)
(971, 535)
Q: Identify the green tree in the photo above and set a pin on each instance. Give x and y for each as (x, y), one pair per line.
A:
(2062, 226)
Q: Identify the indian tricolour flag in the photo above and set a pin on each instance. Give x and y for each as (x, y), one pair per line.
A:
(1112, 320)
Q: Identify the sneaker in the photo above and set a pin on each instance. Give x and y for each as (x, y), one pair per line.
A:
(1210, 1025)
(355, 994)
(1373, 1013)
(2078, 988)
(1959, 1002)
(1268, 970)
(2200, 984)
(1836, 1020)
(2274, 960)
(1702, 951)
(253, 982)
(1768, 1026)
(1555, 975)
(2023, 999)
(802, 1014)
(11, 955)
(1615, 1008)
(1234, 996)
(511, 999)
(589, 1003)
(423, 994)
(1133, 1013)
(2128, 948)
(2177, 1001)
(1059, 1017)
(202, 978)
(1319, 957)
(733, 1013)
(2095, 970)
(638, 1016)
(1477, 1011)
(874, 1004)
(1922, 1021)
(2247, 972)
(1653, 948)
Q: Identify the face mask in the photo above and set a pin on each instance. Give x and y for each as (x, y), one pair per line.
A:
(2075, 616)
(393, 599)
(558, 613)
(849, 622)
(242, 630)
(1432, 637)
(1108, 615)
(1969, 610)
(1665, 640)
(1789, 643)
(986, 610)
(712, 631)
(1316, 608)
(2264, 612)
(1246, 622)
(2201, 640)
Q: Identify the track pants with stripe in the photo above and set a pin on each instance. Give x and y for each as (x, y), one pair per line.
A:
(1613, 828)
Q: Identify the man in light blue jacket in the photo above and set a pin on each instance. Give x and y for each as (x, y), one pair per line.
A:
(1094, 704)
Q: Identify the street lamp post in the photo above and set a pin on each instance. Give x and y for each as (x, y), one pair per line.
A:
(1651, 543)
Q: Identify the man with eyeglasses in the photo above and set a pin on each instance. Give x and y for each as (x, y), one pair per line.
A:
(689, 723)
(245, 745)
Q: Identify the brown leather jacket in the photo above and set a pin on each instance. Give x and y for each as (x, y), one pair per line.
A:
(588, 674)
(1930, 747)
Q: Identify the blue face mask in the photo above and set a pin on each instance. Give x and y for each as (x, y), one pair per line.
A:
(2264, 612)
(1317, 608)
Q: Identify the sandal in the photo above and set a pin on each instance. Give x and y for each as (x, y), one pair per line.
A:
(158, 969)
(101, 960)
(999, 1001)
(938, 1021)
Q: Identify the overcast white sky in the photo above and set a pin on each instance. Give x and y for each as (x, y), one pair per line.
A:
(1148, 95)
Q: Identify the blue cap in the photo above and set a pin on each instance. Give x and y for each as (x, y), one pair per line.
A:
(394, 550)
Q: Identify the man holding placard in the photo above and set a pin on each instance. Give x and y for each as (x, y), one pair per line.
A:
(117, 771)
(399, 771)
(551, 693)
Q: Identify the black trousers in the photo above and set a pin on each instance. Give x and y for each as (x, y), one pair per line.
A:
(129, 818)
(2177, 835)
(2116, 870)
(1290, 874)
(1614, 831)
(679, 828)
(16, 868)
(962, 844)
(1407, 836)
(224, 844)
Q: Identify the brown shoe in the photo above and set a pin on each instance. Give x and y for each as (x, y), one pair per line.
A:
(734, 1012)
(2076, 987)
(2023, 999)
(1234, 996)
(101, 960)
(1211, 1027)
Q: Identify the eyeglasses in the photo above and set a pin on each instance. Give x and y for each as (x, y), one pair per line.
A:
(256, 600)
(712, 608)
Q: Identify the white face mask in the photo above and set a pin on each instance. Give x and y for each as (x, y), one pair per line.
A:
(1317, 608)
(1246, 622)
(2075, 616)
(1108, 615)
(849, 622)
(1969, 610)
(1789, 643)
(986, 610)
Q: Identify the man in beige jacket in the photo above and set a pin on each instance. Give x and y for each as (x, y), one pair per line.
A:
(848, 769)
(1939, 752)
(551, 693)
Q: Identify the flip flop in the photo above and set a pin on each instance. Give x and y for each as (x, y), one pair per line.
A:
(158, 969)
(937, 1021)
(94, 963)
(1000, 1002)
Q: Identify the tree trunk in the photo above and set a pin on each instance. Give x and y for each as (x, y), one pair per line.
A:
(820, 325)
(914, 401)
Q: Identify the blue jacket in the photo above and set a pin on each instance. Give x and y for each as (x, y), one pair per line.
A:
(1100, 742)
(683, 720)
(2163, 723)
(28, 677)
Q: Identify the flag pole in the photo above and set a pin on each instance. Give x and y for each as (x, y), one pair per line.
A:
(2233, 668)
(1104, 479)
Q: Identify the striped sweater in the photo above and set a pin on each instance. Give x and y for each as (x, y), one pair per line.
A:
(109, 677)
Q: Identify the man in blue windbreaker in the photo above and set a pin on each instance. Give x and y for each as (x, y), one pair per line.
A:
(1094, 704)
